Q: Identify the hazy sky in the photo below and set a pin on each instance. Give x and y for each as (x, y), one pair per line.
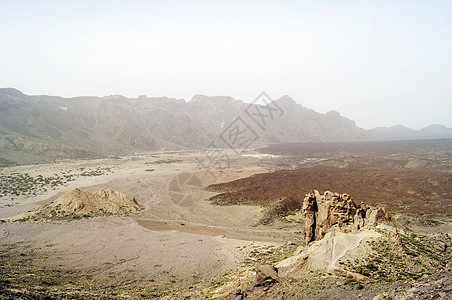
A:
(380, 63)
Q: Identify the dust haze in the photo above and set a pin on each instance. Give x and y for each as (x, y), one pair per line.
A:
(208, 150)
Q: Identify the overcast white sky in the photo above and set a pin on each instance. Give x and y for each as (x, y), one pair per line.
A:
(380, 63)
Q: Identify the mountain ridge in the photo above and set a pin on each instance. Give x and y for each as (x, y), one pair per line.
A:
(42, 128)
(400, 132)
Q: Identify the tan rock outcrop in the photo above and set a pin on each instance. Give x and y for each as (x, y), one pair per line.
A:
(334, 211)
(76, 203)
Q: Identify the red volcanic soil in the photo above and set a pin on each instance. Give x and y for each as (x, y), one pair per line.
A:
(407, 184)
(371, 148)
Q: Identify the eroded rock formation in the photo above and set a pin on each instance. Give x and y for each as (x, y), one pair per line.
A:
(322, 213)
(77, 203)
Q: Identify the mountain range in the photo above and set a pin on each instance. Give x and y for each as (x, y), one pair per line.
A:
(35, 129)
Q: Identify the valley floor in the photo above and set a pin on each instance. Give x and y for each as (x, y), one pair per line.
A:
(178, 246)
(167, 247)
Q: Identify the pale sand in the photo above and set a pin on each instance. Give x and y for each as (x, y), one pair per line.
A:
(193, 243)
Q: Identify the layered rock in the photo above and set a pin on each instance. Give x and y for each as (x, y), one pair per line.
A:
(334, 211)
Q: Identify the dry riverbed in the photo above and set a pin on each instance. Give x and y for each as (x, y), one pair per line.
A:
(167, 247)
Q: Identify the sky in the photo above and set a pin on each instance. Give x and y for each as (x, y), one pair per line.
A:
(380, 63)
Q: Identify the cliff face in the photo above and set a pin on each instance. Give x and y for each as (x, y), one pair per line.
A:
(44, 128)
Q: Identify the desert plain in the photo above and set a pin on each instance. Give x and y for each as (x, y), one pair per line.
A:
(200, 230)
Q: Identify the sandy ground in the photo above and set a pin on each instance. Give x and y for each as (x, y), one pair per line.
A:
(166, 244)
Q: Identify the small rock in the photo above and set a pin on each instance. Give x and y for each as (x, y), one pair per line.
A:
(356, 276)
(381, 296)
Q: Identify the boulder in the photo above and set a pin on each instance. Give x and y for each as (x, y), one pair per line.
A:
(265, 277)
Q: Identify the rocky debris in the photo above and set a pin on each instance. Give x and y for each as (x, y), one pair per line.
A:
(322, 213)
(266, 276)
(324, 256)
(77, 203)
(438, 286)
(362, 242)
(379, 260)
(395, 240)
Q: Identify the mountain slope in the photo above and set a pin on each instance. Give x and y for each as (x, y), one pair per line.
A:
(400, 132)
(44, 128)
(37, 129)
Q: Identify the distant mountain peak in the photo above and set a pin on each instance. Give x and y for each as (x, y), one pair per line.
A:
(438, 130)
(400, 126)
(400, 132)
(200, 98)
(436, 126)
(287, 100)
(207, 99)
(50, 127)
(333, 113)
(11, 92)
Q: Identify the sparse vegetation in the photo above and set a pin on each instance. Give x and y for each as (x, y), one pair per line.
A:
(421, 256)
(33, 273)
(268, 254)
(165, 161)
(24, 185)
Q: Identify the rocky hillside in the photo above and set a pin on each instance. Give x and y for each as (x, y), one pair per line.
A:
(351, 251)
(36, 129)
(44, 128)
